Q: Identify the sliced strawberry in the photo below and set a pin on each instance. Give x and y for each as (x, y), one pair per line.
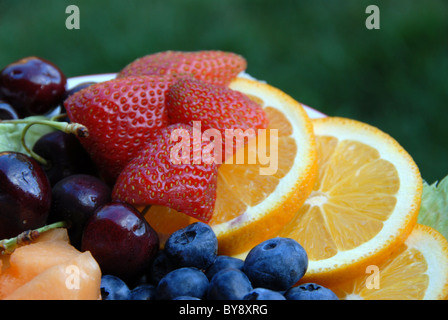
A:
(121, 115)
(226, 111)
(168, 172)
(217, 67)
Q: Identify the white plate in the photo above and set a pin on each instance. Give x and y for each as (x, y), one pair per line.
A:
(72, 82)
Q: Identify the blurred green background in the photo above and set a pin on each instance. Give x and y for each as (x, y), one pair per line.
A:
(319, 52)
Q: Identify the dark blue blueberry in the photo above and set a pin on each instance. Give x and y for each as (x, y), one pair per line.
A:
(160, 267)
(222, 262)
(113, 288)
(276, 264)
(264, 294)
(186, 298)
(193, 246)
(229, 284)
(310, 291)
(185, 281)
(143, 292)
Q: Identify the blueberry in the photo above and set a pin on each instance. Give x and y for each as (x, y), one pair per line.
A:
(229, 284)
(143, 292)
(263, 294)
(113, 288)
(186, 281)
(193, 246)
(276, 264)
(186, 298)
(160, 267)
(222, 262)
(310, 291)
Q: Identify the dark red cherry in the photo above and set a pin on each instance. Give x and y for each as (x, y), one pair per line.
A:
(25, 194)
(32, 85)
(120, 240)
(7, 112)
(64, 154)
(75, 199)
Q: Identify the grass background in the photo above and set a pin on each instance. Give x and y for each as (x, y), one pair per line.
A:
(319, 52)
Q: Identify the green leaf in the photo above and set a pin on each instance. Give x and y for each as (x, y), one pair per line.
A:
(11, 134)
(434, 206)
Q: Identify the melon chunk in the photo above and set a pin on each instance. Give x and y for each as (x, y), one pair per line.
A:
(76, 279)
(49, 268)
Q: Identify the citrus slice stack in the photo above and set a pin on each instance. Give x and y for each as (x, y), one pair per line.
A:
(256, 198)
(418, 270)
(364, 203)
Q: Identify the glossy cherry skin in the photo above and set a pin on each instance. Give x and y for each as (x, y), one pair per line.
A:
(7, 112)
(64, 154)
(32, 85)
(120, 240)
(75, 199)
(25, 194)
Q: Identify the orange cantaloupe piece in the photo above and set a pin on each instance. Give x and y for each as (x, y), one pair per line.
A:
(35, 271)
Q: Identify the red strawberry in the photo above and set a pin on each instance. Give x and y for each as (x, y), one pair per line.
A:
(217, 67)
(168, 172)
(121, 115)
(227, 111)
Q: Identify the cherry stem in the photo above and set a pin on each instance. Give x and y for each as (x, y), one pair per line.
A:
(145, 210)
(58, 116)
(7, 246)
(71, 128)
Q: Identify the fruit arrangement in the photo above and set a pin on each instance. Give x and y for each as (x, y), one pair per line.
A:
(183, 178)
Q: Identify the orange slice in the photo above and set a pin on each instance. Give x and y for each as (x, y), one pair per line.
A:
(418, 270)
(265, 183)
(363, 205)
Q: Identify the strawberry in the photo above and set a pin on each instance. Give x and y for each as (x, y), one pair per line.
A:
(220, 108)
(120, 115)
(160, 175)
(217, 67)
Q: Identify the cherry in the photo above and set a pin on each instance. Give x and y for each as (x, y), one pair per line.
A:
(7, 112)
(74, 199)
(32, 85)
(60, 153)
(120, 240)
(64, 156)
(25, 194)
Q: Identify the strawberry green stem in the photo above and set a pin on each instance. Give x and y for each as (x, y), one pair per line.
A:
(7, 246)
